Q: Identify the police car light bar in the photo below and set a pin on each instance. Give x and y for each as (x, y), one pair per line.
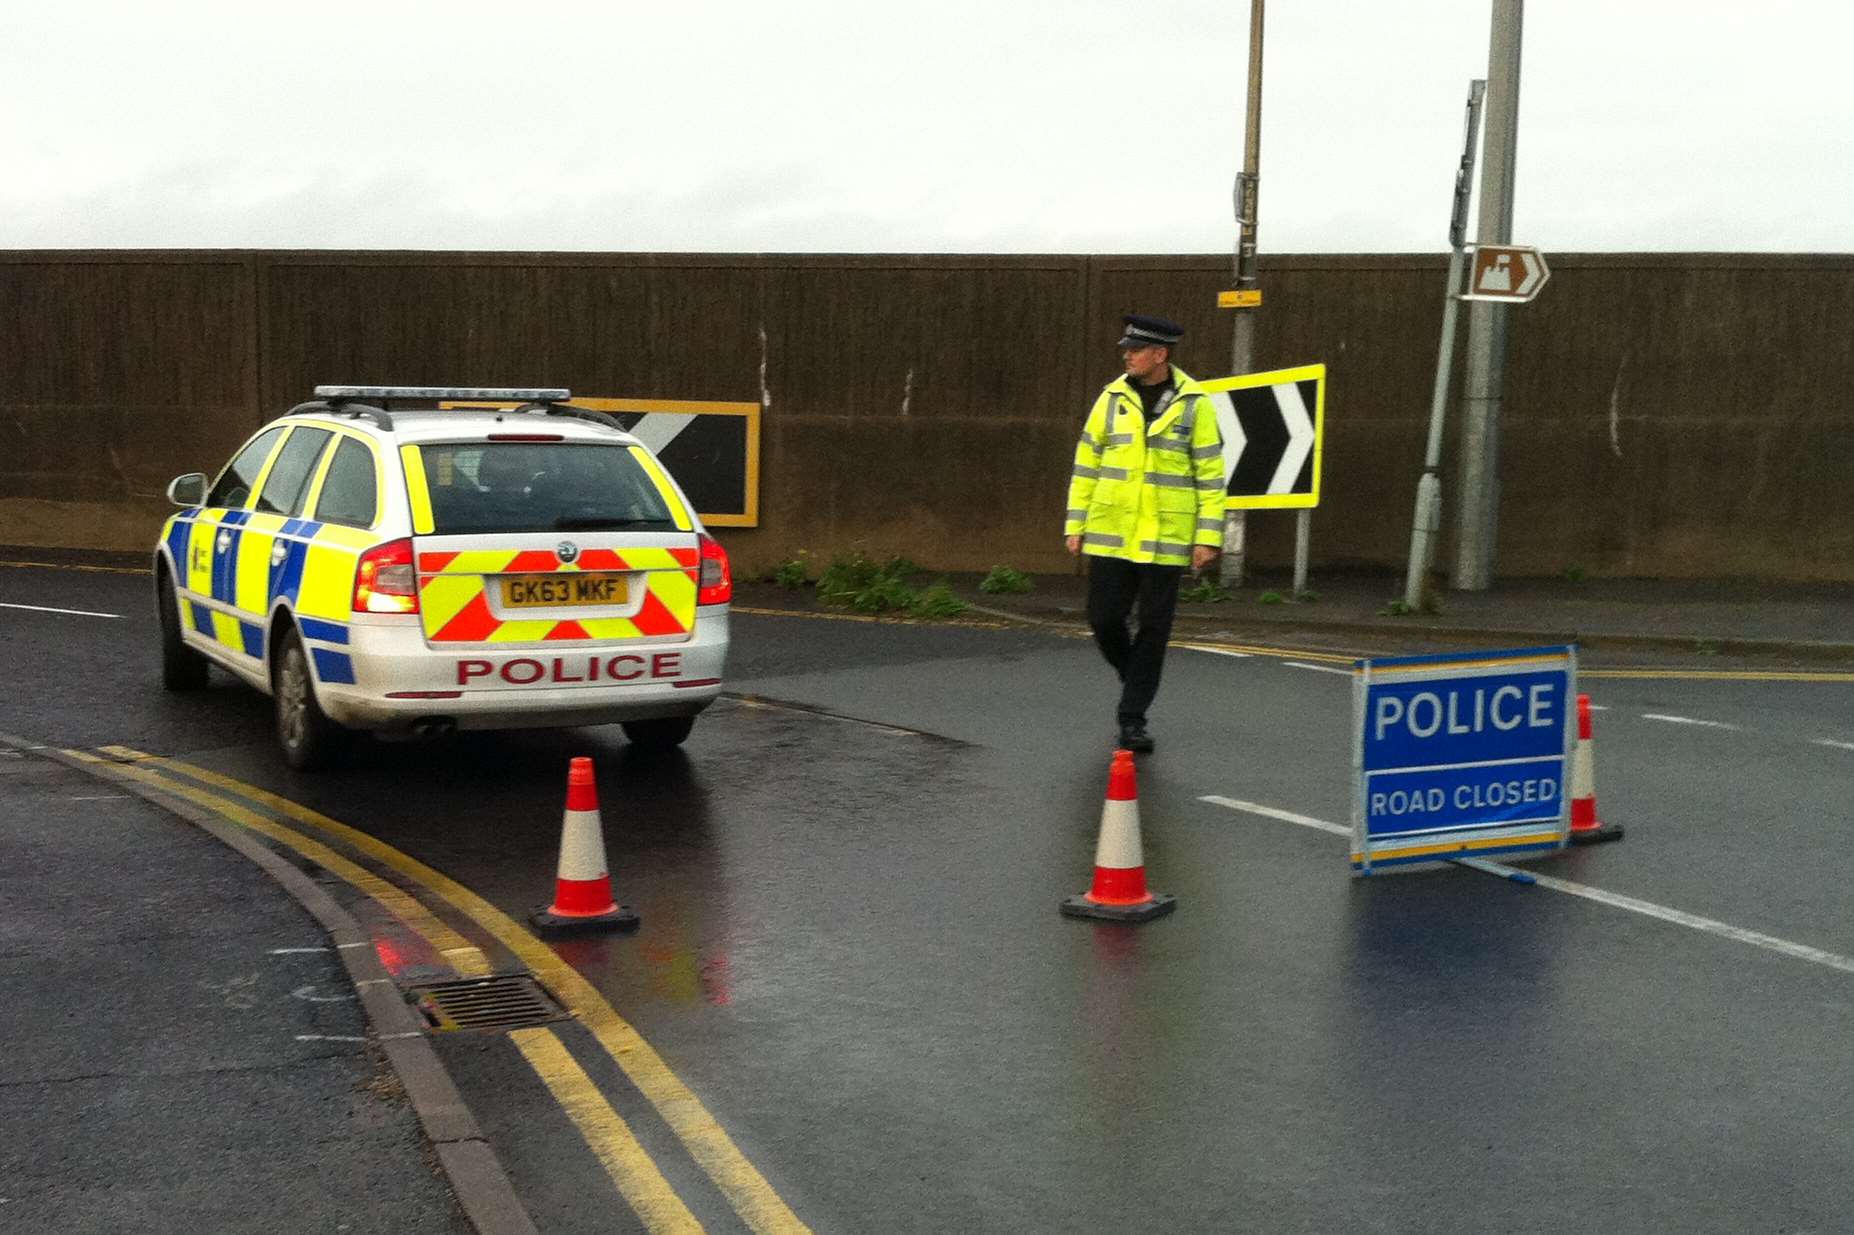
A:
(482, 394)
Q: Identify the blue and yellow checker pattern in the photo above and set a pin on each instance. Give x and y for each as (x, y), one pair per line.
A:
(233, 566)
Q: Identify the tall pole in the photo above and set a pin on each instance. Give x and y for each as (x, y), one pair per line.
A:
(1428, 520)
(1479, 509)
(1242, 343)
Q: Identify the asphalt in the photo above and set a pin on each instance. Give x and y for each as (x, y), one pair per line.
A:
(129, 1005)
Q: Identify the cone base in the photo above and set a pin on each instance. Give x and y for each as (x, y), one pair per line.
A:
(617, 918)
(1156, 905)
(1597, 835)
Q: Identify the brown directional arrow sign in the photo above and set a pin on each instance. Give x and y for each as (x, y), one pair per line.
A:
(1508, 272)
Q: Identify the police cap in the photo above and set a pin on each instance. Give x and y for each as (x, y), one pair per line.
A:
(1143, 331)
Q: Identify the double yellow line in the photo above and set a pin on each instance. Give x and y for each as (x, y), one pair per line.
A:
(606, 1133)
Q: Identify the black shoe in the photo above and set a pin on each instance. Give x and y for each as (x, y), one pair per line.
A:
(1133, 737)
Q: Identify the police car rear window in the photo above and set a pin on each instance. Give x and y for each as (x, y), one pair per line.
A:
(540, 487)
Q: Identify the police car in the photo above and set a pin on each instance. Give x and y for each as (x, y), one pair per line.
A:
(374, 567)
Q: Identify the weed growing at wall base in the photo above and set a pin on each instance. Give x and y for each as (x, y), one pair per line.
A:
(1003, 580)
(795, 573)
(937, 601)
(855, 581)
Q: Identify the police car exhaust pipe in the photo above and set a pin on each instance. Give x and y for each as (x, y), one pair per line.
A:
(434, 726)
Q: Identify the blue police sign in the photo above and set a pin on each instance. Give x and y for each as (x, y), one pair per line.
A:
(1461, 755)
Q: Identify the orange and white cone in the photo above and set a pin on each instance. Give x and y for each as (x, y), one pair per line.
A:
(1585, 829)
(582, 887)
(1119, 891)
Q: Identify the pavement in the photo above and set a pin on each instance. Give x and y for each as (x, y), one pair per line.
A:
(170, 1068)
(185, 1049)
(1705, 622)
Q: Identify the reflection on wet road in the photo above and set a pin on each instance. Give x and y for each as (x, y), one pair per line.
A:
(851, 955)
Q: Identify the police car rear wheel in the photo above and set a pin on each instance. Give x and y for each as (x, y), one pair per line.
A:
(659, 734)
(182, 668)
(305, 732)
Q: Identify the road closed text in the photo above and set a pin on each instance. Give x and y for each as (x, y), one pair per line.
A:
(1478, 796)
(569, 670)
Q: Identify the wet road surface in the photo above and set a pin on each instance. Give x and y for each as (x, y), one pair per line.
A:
(851, 951)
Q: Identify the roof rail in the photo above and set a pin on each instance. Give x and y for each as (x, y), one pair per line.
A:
(341, 407)
(578, 413)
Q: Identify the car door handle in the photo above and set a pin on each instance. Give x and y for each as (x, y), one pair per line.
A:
(224, 542)
(279, 551)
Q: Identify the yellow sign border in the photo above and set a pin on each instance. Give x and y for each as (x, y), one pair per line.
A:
(1275, 377)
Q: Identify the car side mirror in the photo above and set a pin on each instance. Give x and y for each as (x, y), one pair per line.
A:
(188, 490)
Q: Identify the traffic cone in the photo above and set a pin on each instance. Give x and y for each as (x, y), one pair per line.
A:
(1119, 893)
(1585, 829)
(583, 887)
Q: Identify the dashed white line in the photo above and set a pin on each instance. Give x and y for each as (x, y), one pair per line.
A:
(1284, 816)
(1688, 720)
(1711, 926)
(1199, 647)
(72, 612)
(1833, 743)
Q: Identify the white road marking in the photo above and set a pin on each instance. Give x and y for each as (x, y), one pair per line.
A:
(72, 612)
(1494, 868)
(1835, 744)
(1688, 720)
(1616, 900)
(1301, 664)
(308, 995)
(328, 1037)
(1199, 647)
(293, 951)
(1284, 816)
(101, 797)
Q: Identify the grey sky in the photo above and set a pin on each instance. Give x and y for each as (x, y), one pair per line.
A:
(957, 126)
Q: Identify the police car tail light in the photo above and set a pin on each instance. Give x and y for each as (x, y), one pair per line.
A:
(716, 583)
(385, 580)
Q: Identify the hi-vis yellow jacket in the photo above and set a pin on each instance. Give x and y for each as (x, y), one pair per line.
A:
(1148, 492)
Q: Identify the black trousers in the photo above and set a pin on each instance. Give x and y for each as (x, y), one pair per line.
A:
(1115, 589)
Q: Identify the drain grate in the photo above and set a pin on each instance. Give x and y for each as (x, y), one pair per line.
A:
(510, 1001)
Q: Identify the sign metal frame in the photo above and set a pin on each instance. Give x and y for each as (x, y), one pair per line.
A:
(1464, 833)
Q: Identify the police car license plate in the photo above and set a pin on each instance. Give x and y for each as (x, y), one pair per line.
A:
(553, 591)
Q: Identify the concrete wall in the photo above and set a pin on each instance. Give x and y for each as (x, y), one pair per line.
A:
(1667, 415)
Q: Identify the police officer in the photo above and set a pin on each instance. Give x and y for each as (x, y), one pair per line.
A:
(1145, 501)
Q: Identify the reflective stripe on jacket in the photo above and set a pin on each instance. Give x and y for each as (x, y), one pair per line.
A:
(1148, 492)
